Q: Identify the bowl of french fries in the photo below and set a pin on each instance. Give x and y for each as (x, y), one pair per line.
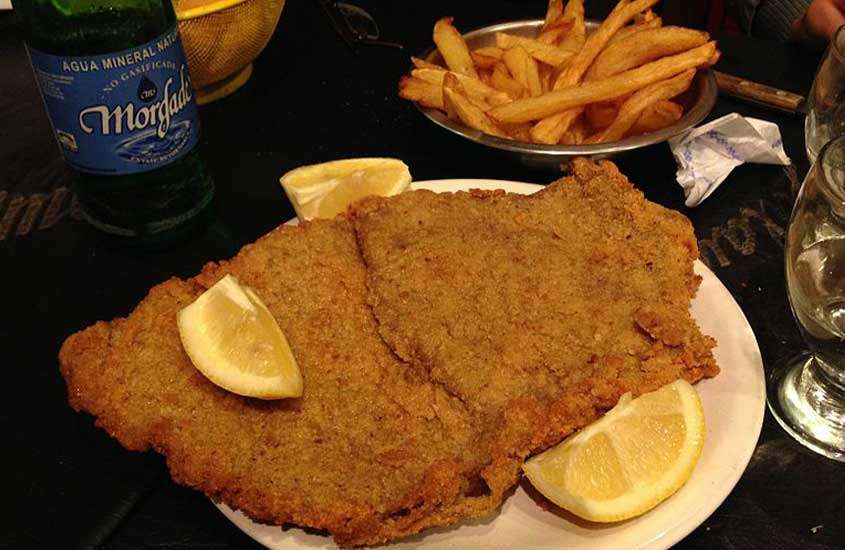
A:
(564, 86)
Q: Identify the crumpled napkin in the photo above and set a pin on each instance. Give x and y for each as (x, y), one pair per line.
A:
(707, 154)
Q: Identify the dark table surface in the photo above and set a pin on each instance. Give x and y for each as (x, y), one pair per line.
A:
(313, 99)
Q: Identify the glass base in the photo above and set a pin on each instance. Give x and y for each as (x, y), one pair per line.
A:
(808, 405)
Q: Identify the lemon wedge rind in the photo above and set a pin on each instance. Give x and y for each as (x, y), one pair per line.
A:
(327, 189)
(582, 474)
(232, 338)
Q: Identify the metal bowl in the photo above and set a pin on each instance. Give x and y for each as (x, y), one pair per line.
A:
(698, 100)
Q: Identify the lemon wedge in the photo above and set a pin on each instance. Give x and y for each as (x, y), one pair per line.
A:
(325, 190)
(233, 339)
(627, 462)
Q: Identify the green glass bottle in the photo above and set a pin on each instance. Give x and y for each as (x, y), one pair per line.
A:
(116, 86)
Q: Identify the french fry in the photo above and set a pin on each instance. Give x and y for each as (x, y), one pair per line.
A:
(633, 107)
(524, 69)
(502, 81)
(545, 77)
(601, 115)
(551, 34)
(497, 98)
(452, 47)
(548, 54)
(714, 58)
(459, 104)
(656, 116)
(419, 91)
(551, 129)
(423, 64)
(575, 38)
(483, 61)
(514, 60)
(553, 12)
(472, 87)
(576, 133)
(519, 132)
(578, 130)
(490, 51)
(643, 47)
(621, 14)
(645, 17)
(448, 101)
(535, 108)
(535, 87)
(625, 32)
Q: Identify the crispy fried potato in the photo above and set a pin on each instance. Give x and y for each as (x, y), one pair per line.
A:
(545, 77)
(423, 64)
(452, 47)
(621, 14)
(524, 69)
(643, 47)
(550, 130)
(472, 87)
(425, 93)
(602, 114)
(634, 106)
(490, 51)
(576, 133)
(656, 116)
(532, 72)
(535, 108)
(448, 102)
(548, 54)
(645, 17)
(519, 132)
(458, 104)
(553, 12)
(552, 33)
(514, 59)
(483, 61)
(625, 32)
(502, 81)
(575, 38)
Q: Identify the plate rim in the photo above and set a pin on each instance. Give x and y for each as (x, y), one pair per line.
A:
(673, 534)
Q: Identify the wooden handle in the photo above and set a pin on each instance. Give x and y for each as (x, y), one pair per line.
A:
(758, 93)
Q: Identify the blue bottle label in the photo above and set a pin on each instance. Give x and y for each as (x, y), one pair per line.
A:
(123, 112)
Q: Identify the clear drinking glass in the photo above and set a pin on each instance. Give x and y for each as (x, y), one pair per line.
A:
(807, 393)
(826, 102)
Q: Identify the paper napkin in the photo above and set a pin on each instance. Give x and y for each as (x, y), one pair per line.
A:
(707, 154)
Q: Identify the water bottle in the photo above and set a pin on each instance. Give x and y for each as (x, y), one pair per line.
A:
(117, 90)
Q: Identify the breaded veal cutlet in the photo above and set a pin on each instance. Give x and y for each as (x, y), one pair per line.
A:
(550, 305)
(502, 324)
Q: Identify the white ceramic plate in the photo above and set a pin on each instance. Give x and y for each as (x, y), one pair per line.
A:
(733, 403)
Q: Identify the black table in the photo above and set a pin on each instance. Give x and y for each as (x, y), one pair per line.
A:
(313, 99)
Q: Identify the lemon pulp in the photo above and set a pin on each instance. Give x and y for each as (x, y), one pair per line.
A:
(327, 189)
(627, 462)
(233, 339)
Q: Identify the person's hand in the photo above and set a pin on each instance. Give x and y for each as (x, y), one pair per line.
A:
(819, 22)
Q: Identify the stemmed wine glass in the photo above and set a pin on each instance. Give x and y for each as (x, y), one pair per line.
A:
(807, 394)
(826, 102)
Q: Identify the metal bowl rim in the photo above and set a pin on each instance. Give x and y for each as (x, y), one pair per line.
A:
(699, 110)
